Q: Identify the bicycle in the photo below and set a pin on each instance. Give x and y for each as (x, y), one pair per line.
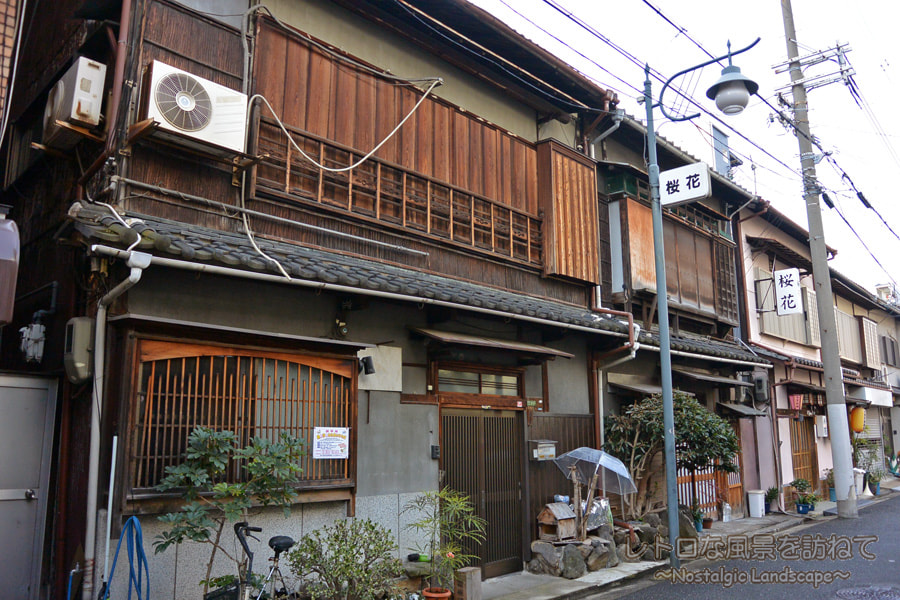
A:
(279, 544)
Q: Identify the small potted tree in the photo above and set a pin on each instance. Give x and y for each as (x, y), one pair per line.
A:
(449, 527)
(697, 515)
(771, 499)
(270, 471)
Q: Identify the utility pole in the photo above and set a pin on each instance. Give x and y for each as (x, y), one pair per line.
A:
(834, 384)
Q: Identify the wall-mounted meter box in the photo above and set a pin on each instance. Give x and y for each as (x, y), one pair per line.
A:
(822, 426)
(79, 349)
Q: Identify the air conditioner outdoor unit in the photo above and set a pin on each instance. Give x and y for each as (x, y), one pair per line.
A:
(191, 109)
(76, 99)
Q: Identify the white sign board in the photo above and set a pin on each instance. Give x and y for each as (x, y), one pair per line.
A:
(684, 184)
(331, 442)
(787, 292)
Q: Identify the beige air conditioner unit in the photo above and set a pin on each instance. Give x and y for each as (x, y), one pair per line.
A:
(194, 111)
(76, 99)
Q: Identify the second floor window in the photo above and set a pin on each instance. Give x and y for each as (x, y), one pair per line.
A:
(889, 353)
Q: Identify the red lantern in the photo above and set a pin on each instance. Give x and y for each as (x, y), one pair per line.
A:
(858, 419)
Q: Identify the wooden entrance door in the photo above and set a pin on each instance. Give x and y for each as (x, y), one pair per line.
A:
(803, 451)
(481, 455)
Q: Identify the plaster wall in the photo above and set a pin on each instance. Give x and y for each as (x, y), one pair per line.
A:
(364, 39)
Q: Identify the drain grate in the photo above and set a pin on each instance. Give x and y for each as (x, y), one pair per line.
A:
(872, 592)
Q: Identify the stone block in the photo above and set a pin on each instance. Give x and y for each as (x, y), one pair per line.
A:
(572, 563)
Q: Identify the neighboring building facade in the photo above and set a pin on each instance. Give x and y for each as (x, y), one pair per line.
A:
(770, 243)
(704, 304)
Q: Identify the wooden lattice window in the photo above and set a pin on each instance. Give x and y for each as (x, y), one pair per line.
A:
(183, 386)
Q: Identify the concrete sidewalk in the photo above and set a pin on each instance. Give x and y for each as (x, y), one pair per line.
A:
(525, 586)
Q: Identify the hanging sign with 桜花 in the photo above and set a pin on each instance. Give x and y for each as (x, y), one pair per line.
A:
(787, 292)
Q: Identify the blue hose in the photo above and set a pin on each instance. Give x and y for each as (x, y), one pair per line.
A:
(136, 559)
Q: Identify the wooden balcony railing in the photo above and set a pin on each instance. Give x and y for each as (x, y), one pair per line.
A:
(398, 197)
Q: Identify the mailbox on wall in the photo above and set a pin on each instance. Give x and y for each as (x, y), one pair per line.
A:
(541, 449)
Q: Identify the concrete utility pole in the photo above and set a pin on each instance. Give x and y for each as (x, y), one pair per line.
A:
(838, 426)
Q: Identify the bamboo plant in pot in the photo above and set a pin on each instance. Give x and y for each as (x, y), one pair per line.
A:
(450, 529)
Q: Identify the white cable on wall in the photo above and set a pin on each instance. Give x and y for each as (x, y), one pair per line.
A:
(434, 84)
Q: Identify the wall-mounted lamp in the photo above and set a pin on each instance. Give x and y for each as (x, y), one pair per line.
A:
(366, 365)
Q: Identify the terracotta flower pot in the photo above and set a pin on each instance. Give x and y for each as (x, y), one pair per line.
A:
(437, 593)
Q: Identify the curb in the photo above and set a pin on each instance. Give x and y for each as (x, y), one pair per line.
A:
(597, 588)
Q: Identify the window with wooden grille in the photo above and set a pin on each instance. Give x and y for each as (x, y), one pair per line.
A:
(183, 386)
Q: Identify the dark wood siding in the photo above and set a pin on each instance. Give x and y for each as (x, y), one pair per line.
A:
(315, 92)
(183, 39)
(544, 477)
(568, 184)
(700, 271)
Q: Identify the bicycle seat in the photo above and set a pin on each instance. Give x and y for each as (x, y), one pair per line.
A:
(280, 543)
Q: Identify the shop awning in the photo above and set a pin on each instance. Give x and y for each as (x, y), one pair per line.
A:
(851, 401)
(802, 385)
(465, 339)
(743, 409)
(712, 378)
(641, 388)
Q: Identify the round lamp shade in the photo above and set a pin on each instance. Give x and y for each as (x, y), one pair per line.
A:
(858, 419)
(732, 91)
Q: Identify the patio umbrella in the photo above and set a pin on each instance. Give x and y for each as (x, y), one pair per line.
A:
(611, 474)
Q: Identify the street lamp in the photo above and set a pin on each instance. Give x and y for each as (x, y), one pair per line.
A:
(732, 92)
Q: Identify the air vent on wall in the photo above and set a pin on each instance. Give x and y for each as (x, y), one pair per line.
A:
(194, 109)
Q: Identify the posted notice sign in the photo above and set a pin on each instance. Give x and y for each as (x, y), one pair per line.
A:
(684, 184)
(331, 442)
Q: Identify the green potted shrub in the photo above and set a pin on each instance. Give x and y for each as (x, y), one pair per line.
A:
(875, 477)
(449, 526)
(353, 559)
(806, 502)
(803, 487)
(697, 515)
(771, 499)
(829, 483)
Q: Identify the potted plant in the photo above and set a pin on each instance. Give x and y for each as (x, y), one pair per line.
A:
(449, 527)
(771, 499)
(802, 487)
(806, 502)
(353, 559)
(875, 476)
(697, 515)
(829, 483)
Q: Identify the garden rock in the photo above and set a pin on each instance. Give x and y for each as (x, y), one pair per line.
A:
(652, 519)
(546, 559)
(572, 563)
(599, 556)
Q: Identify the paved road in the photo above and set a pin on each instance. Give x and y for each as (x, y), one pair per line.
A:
(843, 559)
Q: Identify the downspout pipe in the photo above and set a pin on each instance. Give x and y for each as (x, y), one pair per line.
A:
(137, 261)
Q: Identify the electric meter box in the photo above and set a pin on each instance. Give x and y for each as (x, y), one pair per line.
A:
(79, 349)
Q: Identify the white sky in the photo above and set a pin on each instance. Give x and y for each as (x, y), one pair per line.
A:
(870, 159)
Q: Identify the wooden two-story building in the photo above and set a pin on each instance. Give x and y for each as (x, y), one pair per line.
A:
(221, 214)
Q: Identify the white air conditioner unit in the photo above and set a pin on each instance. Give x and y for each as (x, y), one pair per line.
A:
(189, 109)
(76, 99)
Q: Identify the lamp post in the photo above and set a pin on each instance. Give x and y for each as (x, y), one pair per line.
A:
(731, 92)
